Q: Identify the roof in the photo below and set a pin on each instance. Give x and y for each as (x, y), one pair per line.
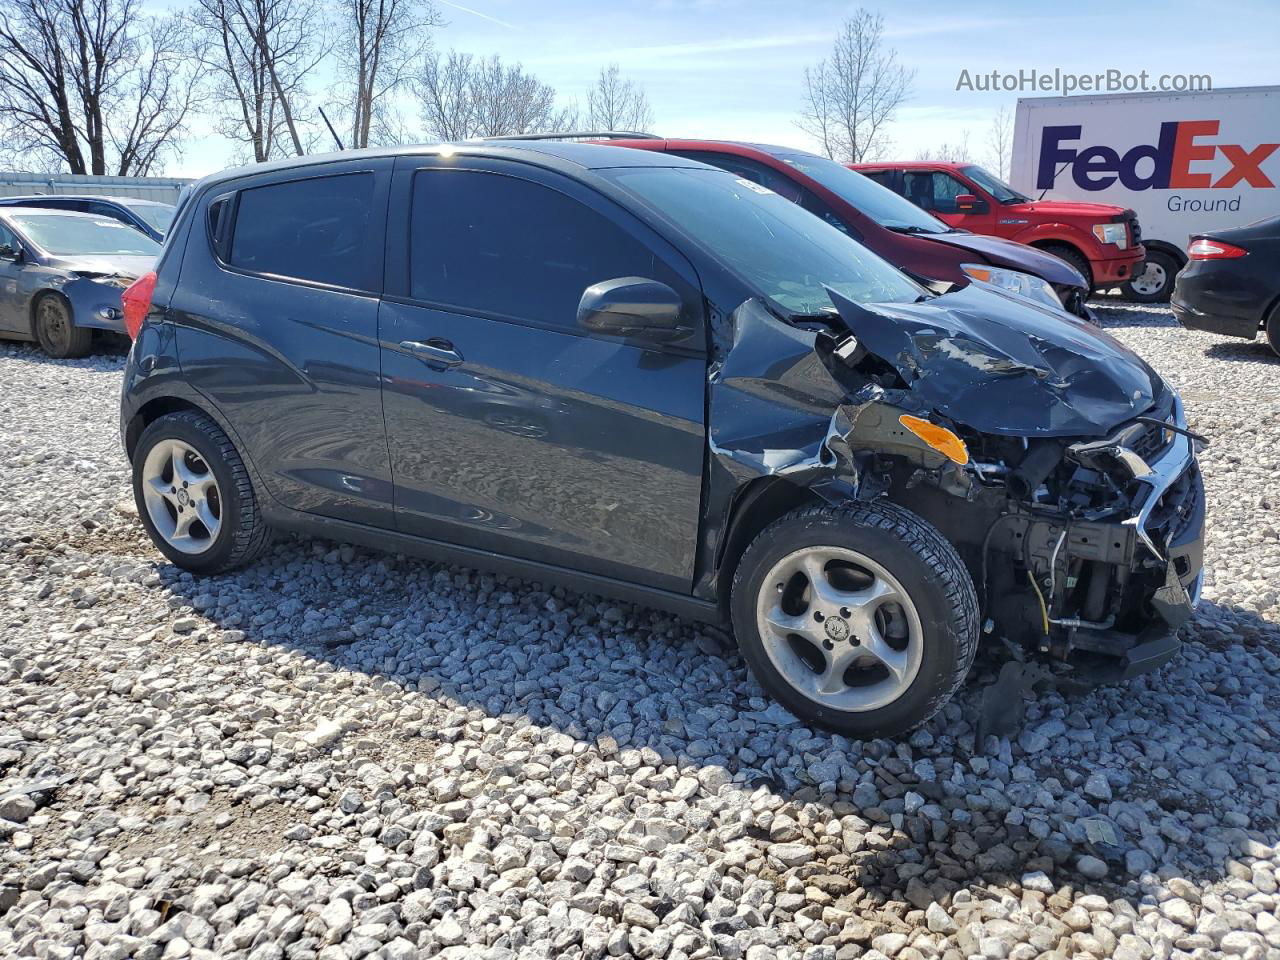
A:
(10, 209)
(124, 201)
(587, 156)
(912, 165)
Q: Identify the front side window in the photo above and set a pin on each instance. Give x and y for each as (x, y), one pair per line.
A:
(316, 229)
(8, 240)
(785, 253)
(74, 235)
(157, 215)
(934, 191)
(510, 248)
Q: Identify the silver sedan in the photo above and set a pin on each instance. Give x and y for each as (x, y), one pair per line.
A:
(61, 274)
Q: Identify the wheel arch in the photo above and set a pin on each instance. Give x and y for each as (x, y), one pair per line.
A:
(761, 503)
(153, 410)
(34, 303)
(1161, 246)
(1047, 244)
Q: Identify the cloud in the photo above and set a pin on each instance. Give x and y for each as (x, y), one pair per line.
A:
(681, 51)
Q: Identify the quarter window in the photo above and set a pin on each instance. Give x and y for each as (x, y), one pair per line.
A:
(315, 229)
(510, 248)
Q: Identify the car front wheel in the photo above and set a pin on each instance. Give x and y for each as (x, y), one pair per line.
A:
(860, 618)
(56, 331)
(194, 495)
(1155, 283)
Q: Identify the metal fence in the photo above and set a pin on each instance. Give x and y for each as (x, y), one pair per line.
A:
(163, 189)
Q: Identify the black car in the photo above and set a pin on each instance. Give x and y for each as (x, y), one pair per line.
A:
(724, 406)
(149, 216)
(1231, 283)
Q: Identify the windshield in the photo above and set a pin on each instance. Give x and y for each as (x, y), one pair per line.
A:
(69, 235)
(785, 252)
(158, 215)
(875, 201)
(994, 185)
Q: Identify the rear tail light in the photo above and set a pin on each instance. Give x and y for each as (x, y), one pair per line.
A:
(136, 301)
(1203, 249)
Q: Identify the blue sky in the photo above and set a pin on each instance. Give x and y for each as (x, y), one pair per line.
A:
(733, 69)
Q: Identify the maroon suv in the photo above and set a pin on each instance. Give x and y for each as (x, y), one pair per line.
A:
(890, 225)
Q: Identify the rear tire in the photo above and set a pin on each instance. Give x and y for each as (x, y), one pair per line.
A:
(861, 618)
(1272, 330)
(55, 329)
(1155, 283)
(194, 495)
(1076, 259)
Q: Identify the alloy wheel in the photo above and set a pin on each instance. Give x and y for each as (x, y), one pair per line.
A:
(182, 496)
(839, 628)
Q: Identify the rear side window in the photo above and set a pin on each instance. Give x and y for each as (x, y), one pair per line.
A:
(315, 229)
(498, 245)
(883, 177)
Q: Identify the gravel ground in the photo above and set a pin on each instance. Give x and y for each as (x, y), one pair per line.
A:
(341, 754)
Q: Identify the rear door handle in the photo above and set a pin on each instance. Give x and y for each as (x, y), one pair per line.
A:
(435, 351)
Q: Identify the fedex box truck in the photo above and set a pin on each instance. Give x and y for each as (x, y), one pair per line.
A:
(1185, 162)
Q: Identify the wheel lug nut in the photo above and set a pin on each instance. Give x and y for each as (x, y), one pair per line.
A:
(817, 615)
(844, 612)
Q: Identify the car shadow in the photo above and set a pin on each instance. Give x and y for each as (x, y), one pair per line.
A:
(105, 345)
(487, 647)
(1257, 351)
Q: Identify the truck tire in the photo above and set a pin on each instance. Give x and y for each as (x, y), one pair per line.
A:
(1075, 258)
(1155, 283)
(55, 329)
(860, 618)
(194, 495)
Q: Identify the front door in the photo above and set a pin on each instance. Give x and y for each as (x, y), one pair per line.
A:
(512, 429)
(936, 191)
(13, 318)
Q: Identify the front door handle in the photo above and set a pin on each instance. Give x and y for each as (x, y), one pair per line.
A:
(434, 351)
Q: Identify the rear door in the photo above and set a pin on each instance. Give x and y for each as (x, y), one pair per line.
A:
(511, 429)
(277, 313)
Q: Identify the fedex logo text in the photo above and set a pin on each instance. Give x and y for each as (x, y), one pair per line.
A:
(1179, 147)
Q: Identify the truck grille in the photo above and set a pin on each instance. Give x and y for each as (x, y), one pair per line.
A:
(1135, 228)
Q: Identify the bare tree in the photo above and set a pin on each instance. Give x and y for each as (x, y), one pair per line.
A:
(463, 96)
(851, 97)
(379, 41)
(93, 84)
(957, 152)
(615, 103)
(1000, 143)
(261, 53)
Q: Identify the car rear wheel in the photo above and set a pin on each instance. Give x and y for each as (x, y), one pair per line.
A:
(55, 330)
(1273, 329)
(1155, 283)
(861, 618)
(194, 495)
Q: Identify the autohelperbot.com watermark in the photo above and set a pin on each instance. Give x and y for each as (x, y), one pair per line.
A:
(1066, 82)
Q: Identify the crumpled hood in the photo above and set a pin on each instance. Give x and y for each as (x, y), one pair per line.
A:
(1014, 256)
(124, 266)
(1002, 366)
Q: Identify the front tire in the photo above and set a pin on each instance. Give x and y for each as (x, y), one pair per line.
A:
(1077, 260)
(1155, 283)
(194, 495)
(861, 618)
(56, 331)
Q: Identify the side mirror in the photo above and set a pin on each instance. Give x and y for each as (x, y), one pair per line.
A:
(632, 307)
(968, 203)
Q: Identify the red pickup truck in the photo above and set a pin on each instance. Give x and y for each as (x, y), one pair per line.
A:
(1102, 241)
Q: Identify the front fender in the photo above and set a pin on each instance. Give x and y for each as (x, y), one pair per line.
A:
(1060, 232)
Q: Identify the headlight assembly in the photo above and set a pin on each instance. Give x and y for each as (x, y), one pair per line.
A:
(1112, 233)
(1015, 281)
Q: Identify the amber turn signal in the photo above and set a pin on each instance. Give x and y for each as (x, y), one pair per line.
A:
(940, 438)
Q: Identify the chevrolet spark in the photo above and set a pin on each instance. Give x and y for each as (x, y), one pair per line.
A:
(637, 375)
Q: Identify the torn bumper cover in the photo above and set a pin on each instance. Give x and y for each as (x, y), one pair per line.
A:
(1080, 512)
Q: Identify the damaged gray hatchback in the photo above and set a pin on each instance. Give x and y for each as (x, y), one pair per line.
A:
(645, 377)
